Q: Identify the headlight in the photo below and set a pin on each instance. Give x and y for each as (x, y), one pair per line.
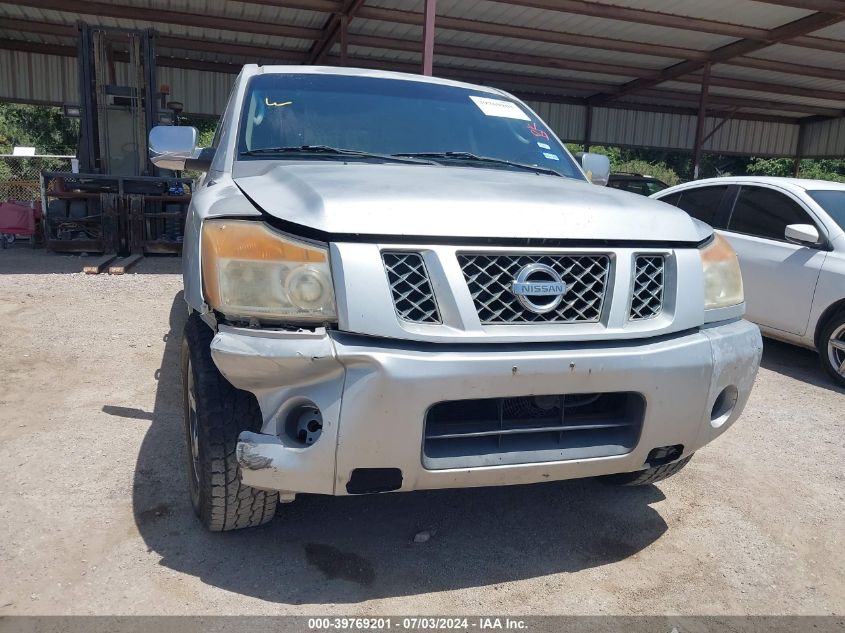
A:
(722, 278)
(249, 270)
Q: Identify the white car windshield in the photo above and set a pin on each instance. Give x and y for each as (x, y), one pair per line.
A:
(310, 116)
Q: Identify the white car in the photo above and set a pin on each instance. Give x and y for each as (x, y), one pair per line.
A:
(789, 234)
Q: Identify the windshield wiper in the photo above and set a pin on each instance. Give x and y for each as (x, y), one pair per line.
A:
(470, 157)
(328, 151)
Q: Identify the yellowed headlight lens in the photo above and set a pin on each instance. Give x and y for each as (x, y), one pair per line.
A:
(249, 270)
(722, 277)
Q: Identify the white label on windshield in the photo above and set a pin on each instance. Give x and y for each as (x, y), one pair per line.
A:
(499, 108)
(551, 156)
(543, 145)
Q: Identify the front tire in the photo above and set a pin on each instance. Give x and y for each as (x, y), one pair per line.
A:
(832, 348)
(647, 476)
(215, 414)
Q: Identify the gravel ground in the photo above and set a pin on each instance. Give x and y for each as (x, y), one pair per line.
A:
(95, 518)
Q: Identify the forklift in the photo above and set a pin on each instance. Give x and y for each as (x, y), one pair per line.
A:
(119, 203)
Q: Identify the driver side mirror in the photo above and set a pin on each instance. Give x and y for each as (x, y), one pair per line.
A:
(597, 168)
(175, 147)
(804, 234)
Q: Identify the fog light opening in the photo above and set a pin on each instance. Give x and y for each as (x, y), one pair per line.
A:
(724, 406)
(304, 424)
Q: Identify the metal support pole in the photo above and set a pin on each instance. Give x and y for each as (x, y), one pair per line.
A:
(428, 37)
(796, 164)
(588, 127)
(699, 129)
(344, 38)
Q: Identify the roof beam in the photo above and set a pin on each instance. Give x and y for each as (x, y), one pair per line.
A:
(725, 53)
(818, 43)
(739, 102)
(763, 86)
(100, 9)
(332, 29)
(788, 68)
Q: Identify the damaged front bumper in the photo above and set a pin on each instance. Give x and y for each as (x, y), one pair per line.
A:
(373, 396)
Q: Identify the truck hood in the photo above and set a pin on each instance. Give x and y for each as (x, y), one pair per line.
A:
(456, 202)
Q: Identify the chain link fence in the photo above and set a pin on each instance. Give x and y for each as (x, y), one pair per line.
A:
(20, 176)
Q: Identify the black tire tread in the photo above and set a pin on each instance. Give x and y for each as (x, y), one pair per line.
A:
(224, 411)
(649, 475)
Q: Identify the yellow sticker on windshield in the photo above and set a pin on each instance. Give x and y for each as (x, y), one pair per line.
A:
(276, 104)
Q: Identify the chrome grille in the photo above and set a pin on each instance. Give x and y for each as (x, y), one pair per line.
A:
(411, 288)
(647, 296)
(489, 278)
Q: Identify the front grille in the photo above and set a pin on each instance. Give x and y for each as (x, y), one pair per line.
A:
(411, 288)
(647, 296)
(531, 429)
(489, 278)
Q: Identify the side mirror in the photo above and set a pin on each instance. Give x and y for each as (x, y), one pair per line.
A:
(597, 168)
(175, 147)
(805, 234)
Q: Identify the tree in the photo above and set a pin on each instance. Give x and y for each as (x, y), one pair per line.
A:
(823, 169)
(43, 127)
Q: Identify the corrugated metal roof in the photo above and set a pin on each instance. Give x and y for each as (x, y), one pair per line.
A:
(503, 13)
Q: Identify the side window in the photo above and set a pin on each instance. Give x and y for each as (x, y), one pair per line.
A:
(764, 212)
(702, 203)
(672, 199)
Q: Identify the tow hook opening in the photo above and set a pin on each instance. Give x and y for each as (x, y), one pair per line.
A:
(723, 406)
(663, 455)
(304, 424)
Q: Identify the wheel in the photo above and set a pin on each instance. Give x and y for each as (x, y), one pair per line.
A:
(215, 414)
(647, 476)
(832, 348)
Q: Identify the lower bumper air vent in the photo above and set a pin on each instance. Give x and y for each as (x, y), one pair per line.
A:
(531, 429)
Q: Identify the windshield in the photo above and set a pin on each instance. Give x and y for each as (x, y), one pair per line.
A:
(388, 117)
(833, 202)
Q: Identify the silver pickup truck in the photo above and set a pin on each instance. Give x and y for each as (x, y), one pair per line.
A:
(397, 282)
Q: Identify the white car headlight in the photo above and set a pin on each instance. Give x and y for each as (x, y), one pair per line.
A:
(722, 277)
(250, 270)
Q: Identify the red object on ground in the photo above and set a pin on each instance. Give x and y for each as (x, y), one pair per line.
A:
(18, 219)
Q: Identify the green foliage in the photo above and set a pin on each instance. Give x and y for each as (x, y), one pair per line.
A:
(661, 171)
(205, 126)
(825, 169)
(42, 127)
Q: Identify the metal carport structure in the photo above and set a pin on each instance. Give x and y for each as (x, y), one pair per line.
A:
(762, 77)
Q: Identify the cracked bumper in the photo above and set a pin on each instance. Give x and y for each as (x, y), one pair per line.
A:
(373, 395)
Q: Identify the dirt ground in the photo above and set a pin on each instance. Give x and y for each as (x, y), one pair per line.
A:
(95, 517)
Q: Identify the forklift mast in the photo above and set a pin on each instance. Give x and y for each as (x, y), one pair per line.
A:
(119, 104)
